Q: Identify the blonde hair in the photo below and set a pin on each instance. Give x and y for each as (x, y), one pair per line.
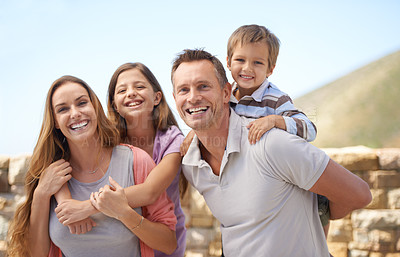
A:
(51, 146)
(162, 117)
(252, 34)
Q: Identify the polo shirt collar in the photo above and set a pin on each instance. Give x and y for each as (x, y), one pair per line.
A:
(193, 155)
(257, 95)
(235, 133)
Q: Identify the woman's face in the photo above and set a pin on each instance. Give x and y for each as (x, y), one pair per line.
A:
(74, 113)
(134, 97)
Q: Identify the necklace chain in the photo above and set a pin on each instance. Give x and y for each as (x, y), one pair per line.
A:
(92, 171)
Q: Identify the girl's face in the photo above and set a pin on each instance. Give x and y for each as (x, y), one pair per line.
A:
(134, 97)
(74, 113)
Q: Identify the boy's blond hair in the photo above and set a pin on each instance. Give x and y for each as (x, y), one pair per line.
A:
(251, 34)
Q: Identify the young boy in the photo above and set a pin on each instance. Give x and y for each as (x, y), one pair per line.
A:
(252, 55)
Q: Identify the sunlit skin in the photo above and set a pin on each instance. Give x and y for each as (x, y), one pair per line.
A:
(204, 106)
(135, 98)
(249, 67)
(198, 95)
(74, 113)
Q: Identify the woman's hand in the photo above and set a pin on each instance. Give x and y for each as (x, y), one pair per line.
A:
(53, 177)
(111, 201)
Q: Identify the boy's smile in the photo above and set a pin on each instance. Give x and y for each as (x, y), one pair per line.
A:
(249, 66)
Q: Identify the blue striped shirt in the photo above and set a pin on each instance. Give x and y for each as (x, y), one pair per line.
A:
(267, 100)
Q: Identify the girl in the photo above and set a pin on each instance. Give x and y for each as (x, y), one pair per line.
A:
(136, 104)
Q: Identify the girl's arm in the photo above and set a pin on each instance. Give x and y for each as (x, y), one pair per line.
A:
(72, 213)
(114, 203)
(51, 180)
(156, 183)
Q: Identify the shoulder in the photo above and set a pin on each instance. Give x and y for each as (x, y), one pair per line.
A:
(167, 141)
(142, 163)
(138, 154)
(280, 140)
(280, 144)
(273, 89)
(122, 151)
(171, 133)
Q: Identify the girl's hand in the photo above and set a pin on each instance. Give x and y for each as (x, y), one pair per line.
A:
(70, 211)
(54, 176)
(186, 143)
(111, 201)
(81, 227)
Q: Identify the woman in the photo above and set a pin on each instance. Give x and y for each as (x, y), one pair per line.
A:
(76, 129)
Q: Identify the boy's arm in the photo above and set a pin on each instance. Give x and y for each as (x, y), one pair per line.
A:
(296, 122)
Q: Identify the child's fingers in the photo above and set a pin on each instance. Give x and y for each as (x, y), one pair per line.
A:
(252, 135)
(183, 149)
(92, 222)
(93, 201)
(114, 183)
(72, 229)
(259, 135)
(250, 124)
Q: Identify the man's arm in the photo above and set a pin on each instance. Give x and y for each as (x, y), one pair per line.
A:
(346, 192)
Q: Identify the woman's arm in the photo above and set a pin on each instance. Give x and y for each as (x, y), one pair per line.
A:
(114, 203)
(51, 180)
(156, 183)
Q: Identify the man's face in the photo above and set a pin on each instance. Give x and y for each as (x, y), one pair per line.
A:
(199, 98)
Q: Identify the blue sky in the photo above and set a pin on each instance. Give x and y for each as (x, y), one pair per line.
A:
(42, 40)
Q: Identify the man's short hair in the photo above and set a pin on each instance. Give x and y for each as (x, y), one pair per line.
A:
(191, 55)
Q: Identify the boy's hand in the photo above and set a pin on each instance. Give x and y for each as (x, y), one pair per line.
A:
(186, 143)
(81, 227)
(258, 127)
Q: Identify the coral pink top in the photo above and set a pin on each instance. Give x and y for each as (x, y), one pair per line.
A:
(161, 210)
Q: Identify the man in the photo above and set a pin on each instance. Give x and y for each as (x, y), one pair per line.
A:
(264, 195)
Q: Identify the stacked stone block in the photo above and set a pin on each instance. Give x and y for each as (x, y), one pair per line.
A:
(373, 231)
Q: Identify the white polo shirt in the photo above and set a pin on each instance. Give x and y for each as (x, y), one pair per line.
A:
(261, 196)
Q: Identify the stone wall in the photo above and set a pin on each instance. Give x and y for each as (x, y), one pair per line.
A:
(373, 231)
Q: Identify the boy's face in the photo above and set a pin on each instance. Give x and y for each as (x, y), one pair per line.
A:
(249, 66)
